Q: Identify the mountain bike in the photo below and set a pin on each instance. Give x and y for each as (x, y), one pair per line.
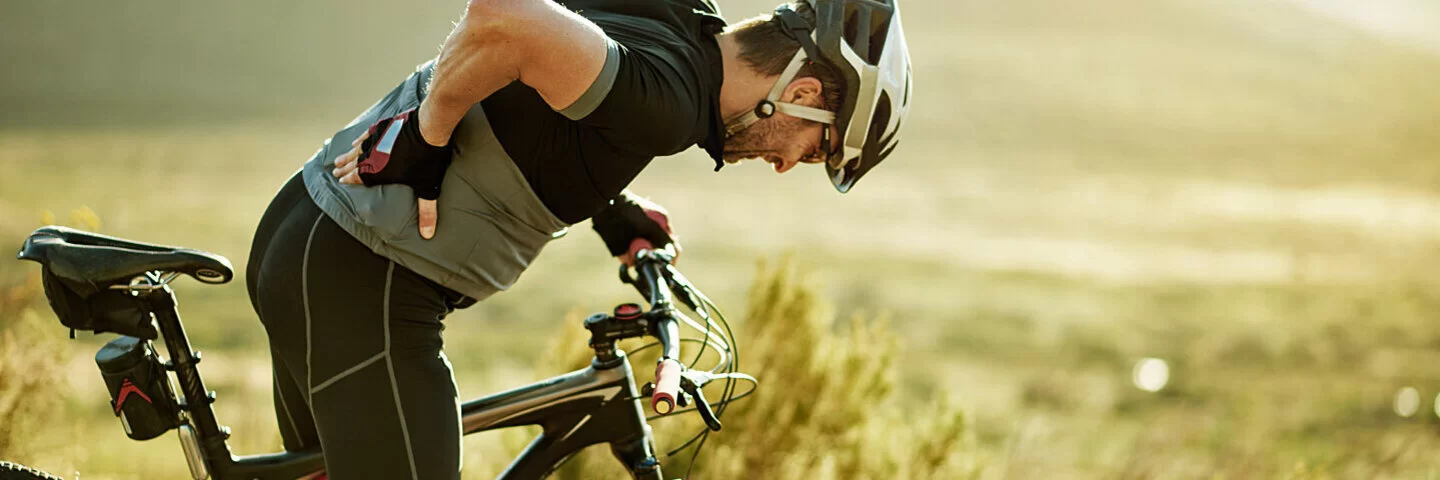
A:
(106, 284)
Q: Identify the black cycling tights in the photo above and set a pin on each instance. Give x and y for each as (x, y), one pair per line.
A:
(355, 346)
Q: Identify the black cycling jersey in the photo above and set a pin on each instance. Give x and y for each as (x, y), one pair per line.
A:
(665, 98)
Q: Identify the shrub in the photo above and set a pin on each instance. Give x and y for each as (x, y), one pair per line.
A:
(32, 355)
(31, 360)
(827, 407)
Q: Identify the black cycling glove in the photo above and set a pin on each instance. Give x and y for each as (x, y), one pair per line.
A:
(395, 152)
(630, 217)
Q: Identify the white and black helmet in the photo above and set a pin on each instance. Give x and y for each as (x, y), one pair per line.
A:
(862, 41)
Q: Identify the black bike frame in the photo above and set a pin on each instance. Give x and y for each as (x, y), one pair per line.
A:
(597, 404)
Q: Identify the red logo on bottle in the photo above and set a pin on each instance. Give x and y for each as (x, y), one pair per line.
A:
(125, 389)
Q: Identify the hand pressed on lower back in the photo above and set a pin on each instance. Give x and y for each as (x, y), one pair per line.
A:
(393, 151)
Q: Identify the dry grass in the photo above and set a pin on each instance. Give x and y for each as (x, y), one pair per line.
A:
(31, 359)
(827, 407)
(1240, 187)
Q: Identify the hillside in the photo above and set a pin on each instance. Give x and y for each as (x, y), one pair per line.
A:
(1247, 189)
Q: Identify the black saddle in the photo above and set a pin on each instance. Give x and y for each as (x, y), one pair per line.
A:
(98, 261)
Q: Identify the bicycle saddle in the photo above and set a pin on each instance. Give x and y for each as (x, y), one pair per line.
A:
(102, 260)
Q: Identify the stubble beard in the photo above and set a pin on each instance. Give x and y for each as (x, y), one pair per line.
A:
(761, 139)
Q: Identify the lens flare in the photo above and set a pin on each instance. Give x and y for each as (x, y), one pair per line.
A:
(1407, 402)
(1151, 374)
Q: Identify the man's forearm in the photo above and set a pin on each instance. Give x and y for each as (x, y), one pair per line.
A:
(472, 65)
(497, 42)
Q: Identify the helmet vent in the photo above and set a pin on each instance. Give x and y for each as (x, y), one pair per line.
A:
(905, 101)
(866, 29)
(878, 124)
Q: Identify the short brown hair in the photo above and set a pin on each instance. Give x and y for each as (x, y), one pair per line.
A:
(766, 48)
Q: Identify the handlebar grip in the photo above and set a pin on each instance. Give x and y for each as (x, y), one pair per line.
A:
(636, 246)
(667, 386)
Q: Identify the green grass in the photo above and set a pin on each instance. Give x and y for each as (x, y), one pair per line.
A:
(1245, 189)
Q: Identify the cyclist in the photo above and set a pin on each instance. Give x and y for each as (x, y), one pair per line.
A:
(534, 116)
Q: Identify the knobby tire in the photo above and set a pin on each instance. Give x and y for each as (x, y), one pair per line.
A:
(13, 471)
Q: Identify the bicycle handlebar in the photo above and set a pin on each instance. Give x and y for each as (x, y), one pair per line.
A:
(658, 279)
(649, 265)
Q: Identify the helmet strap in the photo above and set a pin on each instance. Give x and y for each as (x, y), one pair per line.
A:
(765, 109)
(800, 30)
(771, 104)
(797, 28)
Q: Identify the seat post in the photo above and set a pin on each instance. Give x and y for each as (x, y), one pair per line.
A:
(182, 360)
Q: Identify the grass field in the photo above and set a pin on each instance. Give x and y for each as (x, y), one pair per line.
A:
(1248, 190)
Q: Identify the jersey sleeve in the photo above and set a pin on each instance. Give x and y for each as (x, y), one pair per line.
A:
(646, 99)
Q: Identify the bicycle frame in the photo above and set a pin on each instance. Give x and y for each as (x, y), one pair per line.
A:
(593, 405)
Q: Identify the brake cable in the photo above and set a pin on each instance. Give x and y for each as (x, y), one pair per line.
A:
(727, 348)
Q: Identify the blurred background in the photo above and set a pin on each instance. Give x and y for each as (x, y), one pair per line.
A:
(1121, 239)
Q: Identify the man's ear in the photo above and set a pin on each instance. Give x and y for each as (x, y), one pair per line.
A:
(803, 91)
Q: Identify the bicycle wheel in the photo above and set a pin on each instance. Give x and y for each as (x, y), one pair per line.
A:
(12, 471)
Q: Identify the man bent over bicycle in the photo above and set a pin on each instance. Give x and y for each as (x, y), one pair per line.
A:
(534, 117)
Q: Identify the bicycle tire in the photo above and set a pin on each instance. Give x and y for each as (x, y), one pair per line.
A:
(14, 471)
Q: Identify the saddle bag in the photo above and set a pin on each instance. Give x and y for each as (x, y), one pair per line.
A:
(139, 388)
(85, 307)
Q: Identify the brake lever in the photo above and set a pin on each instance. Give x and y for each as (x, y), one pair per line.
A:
(681, 287)
(664, 256)
(701, 404)
(698, 378)
(625, 277)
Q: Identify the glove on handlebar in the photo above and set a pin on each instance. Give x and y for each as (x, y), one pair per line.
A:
(395, 152)
(631, 217)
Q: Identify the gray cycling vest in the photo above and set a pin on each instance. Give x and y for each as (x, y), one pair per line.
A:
(490, 224)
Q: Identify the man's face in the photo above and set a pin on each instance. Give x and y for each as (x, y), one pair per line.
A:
(782, 141)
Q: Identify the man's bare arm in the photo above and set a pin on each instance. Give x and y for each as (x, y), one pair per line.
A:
(496, 42)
